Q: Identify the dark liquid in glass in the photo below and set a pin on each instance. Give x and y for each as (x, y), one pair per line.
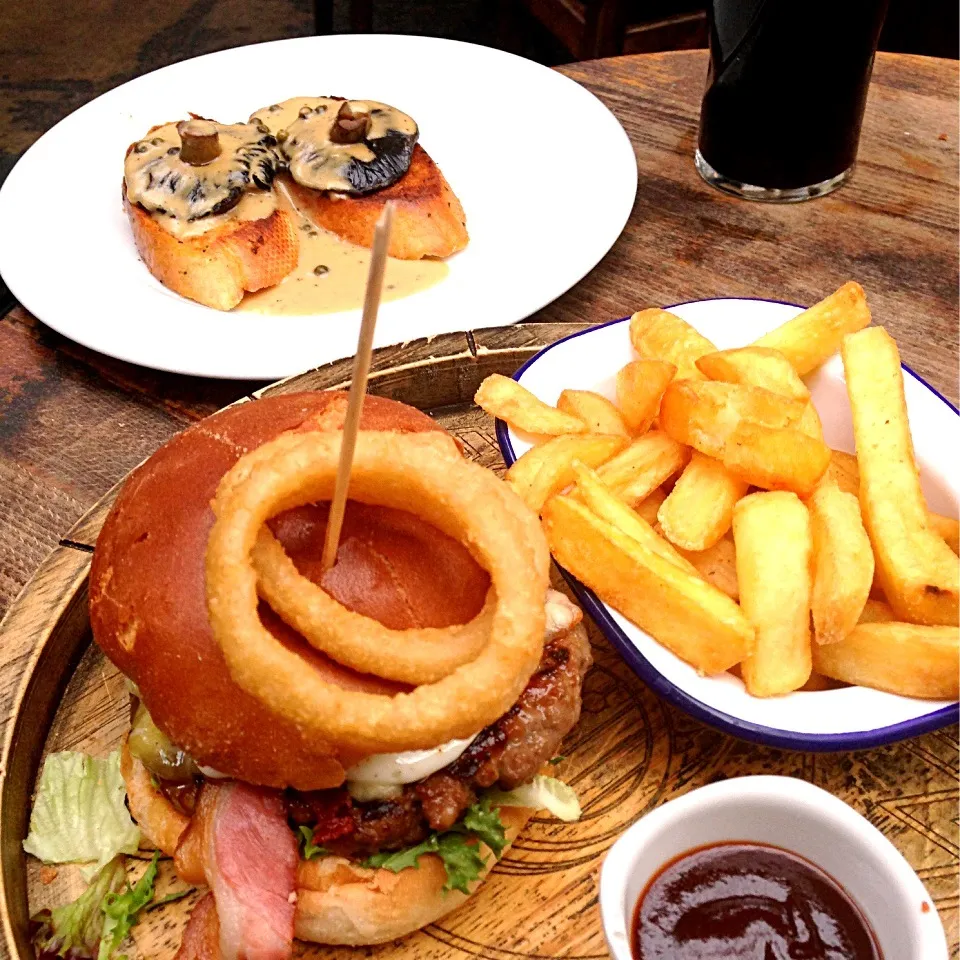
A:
(787, 87)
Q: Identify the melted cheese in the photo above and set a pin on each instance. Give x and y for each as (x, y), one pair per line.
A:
(408, 767)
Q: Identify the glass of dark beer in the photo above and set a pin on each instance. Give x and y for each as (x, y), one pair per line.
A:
(786, 90)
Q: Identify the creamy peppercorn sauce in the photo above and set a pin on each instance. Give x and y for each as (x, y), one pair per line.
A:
(331, 274)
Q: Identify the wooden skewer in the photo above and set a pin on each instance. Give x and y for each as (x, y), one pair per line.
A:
(358, 385)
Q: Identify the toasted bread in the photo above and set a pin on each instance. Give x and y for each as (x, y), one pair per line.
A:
(428, 219)
(216, 268)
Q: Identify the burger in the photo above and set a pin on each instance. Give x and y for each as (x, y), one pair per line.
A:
(298, 836)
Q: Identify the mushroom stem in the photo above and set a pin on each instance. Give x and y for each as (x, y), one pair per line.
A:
(349, 127)
(199, 141)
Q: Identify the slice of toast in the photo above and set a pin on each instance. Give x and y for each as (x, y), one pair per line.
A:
(216, 268)
(428, 219)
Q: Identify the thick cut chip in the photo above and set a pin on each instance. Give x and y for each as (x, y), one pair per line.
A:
(846, 473)
(842, 562)
(608, 506)
(636, 472)
(916, 569)
(814, 336)
(774, 545)
(660, 335)
(876, 611)
(810, 423)
(679, 609)
(755, 367)
(649, 507)
(640, 385)
(503, 397)
(699, 510)
(904, 658)
(597, 412)
(703, 414)
(766, 368)
(776, 459)
(717, 565)
(546, 469)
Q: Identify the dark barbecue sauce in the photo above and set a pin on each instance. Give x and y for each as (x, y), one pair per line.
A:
(744, 901)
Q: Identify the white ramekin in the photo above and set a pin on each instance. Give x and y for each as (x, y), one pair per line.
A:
(788, 813)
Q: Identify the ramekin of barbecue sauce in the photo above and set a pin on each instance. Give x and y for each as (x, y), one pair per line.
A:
(748, 901)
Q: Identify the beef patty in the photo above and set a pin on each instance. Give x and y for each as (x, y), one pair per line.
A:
(506, 753)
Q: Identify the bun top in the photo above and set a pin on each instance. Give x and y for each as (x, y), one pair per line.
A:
(148, 602)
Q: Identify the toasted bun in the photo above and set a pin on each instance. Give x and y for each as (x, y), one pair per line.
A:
(428, 219)
(218, 267)
(148, 603)
(339, 902)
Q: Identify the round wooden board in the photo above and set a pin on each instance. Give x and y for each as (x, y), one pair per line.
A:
(630, 752)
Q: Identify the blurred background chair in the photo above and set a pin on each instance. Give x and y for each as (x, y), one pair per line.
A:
(608, 28)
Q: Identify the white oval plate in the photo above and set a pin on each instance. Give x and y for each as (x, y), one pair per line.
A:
(849, 718)
(536, 228)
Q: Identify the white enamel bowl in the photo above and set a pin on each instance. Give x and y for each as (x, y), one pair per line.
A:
(781, 812)
(849, 718)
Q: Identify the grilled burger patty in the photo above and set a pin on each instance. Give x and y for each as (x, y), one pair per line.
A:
(507, 753)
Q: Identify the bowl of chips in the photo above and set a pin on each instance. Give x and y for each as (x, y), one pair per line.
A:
(757, 504)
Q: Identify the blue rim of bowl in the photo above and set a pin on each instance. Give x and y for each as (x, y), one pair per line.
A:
(744, 729)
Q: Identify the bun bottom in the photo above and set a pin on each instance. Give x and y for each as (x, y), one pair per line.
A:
(338, 902)
(341, 903)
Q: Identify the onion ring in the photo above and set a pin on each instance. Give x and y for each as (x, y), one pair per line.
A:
(415, 655)
(407, 472)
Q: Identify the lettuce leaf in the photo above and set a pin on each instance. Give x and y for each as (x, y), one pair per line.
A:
(121, 910)
(461, 859)
(541, 793)
(95, 925)
(308, 849)
(485, 824)
(79, 815)
(456, 847)
(75, 929)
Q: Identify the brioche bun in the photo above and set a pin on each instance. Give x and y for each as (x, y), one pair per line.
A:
(147, 592)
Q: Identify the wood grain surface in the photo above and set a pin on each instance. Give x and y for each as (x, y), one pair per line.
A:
(73, 423)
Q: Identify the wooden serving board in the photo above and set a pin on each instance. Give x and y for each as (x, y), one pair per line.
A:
(630, 752)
